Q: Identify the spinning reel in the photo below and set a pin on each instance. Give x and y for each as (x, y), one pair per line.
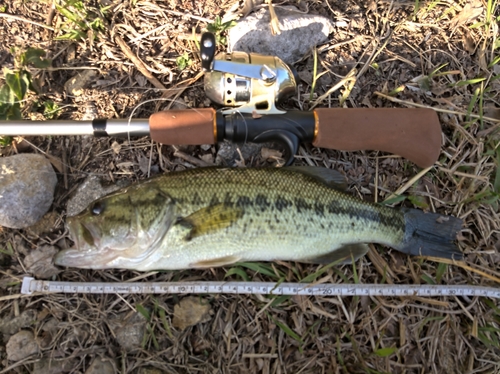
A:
(250, 82)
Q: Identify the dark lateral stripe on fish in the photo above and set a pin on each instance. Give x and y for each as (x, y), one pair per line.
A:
(355, 213)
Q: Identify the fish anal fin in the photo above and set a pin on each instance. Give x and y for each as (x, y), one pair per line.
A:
(346, 252)
(221, 261)
(210, 219)
(330, 177)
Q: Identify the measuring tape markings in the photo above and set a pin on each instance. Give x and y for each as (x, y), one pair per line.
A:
(31, 285)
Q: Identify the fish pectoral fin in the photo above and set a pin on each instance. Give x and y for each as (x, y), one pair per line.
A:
(346, 253)
(330, 177)
(216, 262)
(210, 219)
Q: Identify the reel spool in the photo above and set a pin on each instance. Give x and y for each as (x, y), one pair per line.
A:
(250, 82)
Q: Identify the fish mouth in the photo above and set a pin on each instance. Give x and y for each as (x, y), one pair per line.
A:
(85, 259)
(85, 236)
(86, 252)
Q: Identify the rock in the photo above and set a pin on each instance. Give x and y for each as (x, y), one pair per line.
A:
(130, 331)
(27, 184)
(21, 345)
(39, 262)
(53, 366)
(299, 33)
(91, 189)
(101, 366)
(10, 326)
(190, 311)
(75, 85)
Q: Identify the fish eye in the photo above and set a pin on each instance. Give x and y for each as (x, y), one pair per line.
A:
(97, 208)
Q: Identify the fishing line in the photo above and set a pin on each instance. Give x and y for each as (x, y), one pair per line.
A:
(32, 286)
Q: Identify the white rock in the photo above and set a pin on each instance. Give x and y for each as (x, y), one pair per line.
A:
(27, 183)
(299, 33)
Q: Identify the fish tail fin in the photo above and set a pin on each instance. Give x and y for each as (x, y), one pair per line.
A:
(431, 234)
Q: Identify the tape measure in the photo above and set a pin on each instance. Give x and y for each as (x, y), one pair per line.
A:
(31, 285)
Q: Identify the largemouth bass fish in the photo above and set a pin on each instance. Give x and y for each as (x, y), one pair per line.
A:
(209, 217)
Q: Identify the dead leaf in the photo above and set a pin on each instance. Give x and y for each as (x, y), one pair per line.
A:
(116, 147)
(190, 311)
(469, 44)
(470, 11)
(143, 164)
(56, 162)
(208, 158)
(46, 224)
(267, 153)
(40, 262)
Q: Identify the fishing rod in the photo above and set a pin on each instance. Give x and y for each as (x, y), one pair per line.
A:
(250, 87)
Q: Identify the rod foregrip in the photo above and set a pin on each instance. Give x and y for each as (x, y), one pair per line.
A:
(183, 127)
(411, 133)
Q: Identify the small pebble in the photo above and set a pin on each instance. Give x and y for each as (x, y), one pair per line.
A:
(21, 345)
(101, 366)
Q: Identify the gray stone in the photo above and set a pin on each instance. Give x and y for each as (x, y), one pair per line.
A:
(101, 366)
(91, 189)
(10, 326)
(21, 345)
(27, 184)
(299, 33)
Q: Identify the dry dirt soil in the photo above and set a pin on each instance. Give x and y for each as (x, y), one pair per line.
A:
(436, 54)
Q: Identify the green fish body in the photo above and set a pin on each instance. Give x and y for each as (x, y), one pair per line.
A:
(210, 217)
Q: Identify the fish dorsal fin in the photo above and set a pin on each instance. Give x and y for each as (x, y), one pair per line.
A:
(221, 261)
(210, 219)
(330, 177)
(346, 252)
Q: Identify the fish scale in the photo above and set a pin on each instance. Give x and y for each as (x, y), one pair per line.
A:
(216, 216)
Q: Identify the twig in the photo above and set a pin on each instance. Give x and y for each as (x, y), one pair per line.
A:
(394, 100)
(408, 184)
(22, 19)
(191, 159)
(139, 64)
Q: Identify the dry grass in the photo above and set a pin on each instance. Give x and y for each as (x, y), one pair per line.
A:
(419, 57)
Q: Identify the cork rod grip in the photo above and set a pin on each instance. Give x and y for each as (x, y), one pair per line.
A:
(183, 127)
(411, 133)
